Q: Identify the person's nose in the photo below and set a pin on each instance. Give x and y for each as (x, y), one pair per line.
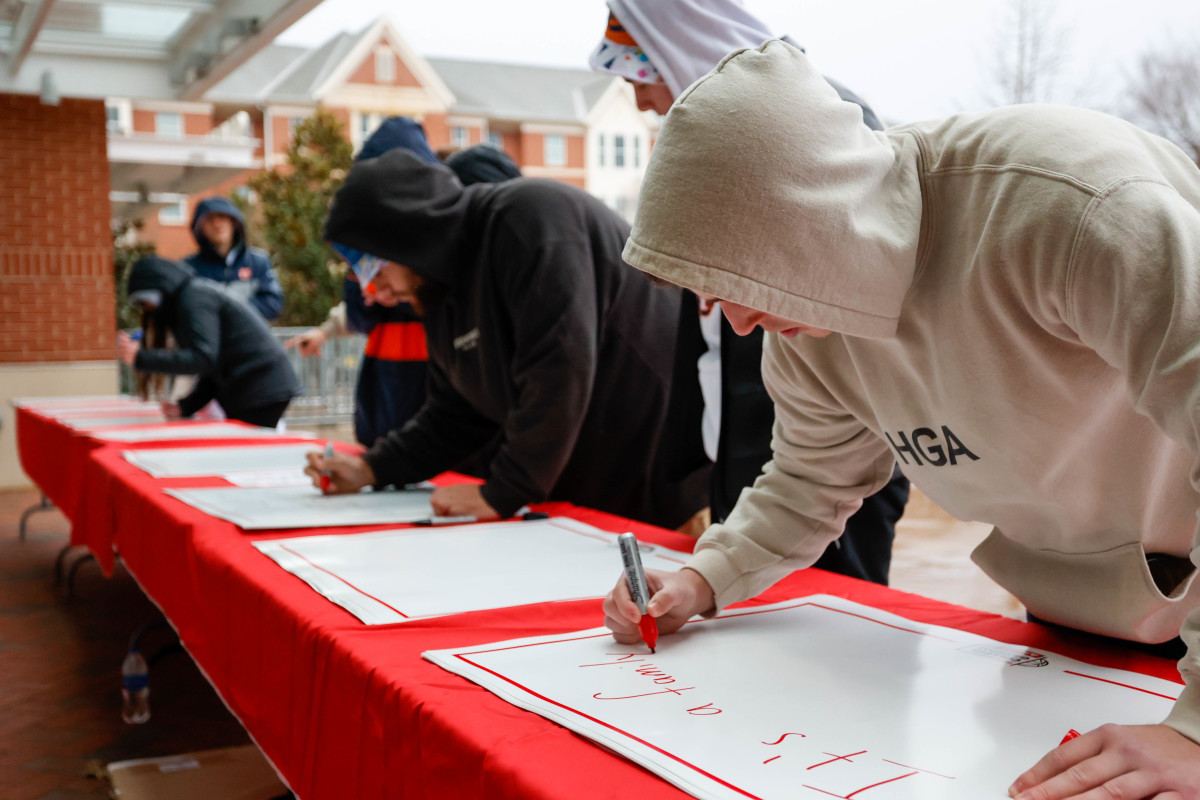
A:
(742, 320)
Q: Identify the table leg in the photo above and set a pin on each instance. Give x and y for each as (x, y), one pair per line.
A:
(44, 505)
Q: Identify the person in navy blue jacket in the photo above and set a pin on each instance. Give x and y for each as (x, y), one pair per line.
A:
(224, 257)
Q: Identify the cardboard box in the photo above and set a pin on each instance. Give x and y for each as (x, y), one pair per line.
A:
(230, 773)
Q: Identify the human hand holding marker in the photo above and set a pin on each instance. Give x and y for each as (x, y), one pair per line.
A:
(675, 597)
(127, 347)
(346, 474)
(325, 474)
(635, 579)
(1135, 761)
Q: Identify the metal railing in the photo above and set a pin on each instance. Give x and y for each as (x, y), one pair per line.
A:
(328, 379)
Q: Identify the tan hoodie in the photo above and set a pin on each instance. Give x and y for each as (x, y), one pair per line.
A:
(1015, 297)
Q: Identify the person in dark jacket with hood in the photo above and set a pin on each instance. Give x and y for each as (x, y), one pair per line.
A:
(391, 378)
(219, 338)
(536, 331)
(224, 257)
(482, 163)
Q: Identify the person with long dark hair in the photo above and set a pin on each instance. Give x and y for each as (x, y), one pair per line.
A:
(219, 338)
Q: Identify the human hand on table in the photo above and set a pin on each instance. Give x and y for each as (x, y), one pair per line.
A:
(1131, 762)
(461, 500)
(170, 410)
(675, 597)
(347, 474)
(127, 348)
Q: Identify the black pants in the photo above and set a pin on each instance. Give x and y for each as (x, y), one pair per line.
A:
(865, 548)
(1173, 649)
(263, 416)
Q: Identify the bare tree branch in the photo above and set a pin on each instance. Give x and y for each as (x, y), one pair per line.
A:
(1030, 51)
(1164, 96)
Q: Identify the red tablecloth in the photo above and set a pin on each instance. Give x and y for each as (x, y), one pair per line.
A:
(55, 457)
(346, 710)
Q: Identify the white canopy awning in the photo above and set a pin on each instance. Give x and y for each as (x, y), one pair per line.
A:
(150, 49)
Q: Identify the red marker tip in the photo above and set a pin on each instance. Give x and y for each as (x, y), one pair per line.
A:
(1071, 734)
(324, 483)
(648, 627)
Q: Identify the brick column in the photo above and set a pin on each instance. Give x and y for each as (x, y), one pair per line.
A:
(56, 255)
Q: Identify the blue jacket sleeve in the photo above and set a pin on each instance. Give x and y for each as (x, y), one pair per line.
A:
(268, 298)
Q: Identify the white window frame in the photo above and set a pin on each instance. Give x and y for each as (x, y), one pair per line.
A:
(123, 122)
(174, 215)
(619, 150)
(161, 116)
(368, 123)
(637, 151)
(600, 150)
(496, 140)
(385, 65)
(460, 136)
(554, 150)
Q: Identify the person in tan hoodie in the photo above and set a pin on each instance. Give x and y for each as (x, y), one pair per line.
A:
(1008, 304)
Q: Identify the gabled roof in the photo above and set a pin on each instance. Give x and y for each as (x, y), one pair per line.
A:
(246, 84)
(382, 31)
(518, 92)
(521, 92)
(284, 74)
(288, 74)
(307, 78)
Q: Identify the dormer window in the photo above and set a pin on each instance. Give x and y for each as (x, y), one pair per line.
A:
(385, 65)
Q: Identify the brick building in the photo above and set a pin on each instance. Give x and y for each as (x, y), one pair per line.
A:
(110, 111)
(58, 63)
(572, 125)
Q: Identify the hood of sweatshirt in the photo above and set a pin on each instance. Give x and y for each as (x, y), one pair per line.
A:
(152, 273)
(217, 205)
(396, 132)
(155, 274)
(766, 189)
(684, 38)
(403, 210)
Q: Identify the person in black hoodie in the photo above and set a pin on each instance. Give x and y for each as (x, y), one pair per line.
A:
(536, 330)
(219, 338)
(391, 379)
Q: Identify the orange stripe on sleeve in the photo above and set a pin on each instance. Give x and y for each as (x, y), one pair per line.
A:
(397, 341)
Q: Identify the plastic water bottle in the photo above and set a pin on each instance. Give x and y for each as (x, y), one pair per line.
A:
(135, 689)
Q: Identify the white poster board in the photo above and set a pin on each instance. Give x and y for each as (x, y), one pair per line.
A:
(184, 429)
(96, 423)
(91, 401)
(305, 506)
(228, 460)
(394, 576)
(258, 479)
(815, 698)
(146, 412)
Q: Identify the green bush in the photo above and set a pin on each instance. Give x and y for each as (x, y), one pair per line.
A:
(285, 213)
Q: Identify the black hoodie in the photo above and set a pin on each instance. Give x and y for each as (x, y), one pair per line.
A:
(219, 337)
(543, 334)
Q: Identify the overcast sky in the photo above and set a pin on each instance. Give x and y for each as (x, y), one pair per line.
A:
(912, 60)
